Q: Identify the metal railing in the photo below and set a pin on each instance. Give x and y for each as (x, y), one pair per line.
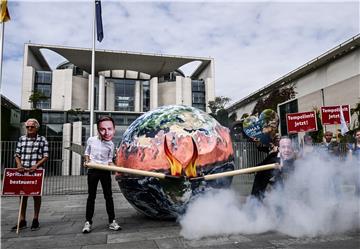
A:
(246, 155)
(55, 183)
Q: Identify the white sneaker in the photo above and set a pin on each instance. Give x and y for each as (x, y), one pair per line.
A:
(114, 226)
(87, 227)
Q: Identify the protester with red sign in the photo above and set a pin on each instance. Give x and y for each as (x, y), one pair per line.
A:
(31, 153)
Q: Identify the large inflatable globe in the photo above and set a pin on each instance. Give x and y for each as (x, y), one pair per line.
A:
(178, 141)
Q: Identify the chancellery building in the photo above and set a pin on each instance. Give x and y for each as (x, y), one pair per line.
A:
(126, 85)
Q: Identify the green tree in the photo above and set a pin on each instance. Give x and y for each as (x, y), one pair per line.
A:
(356, 111)
(218, 104)
(36, 97)
(218, 111)
(275, 97)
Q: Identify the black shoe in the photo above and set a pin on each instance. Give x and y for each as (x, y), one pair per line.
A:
(35, 225)
(22, 225)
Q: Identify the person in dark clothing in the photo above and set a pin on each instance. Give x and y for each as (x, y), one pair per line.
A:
(285, 157)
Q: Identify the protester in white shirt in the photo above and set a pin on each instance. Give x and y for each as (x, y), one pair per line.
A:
(100, 149)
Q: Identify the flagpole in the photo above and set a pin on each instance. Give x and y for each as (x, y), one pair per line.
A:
(1, 63)
(92, 75)
(1, 51)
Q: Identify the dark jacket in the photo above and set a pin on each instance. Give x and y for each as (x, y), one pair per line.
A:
(273, 176)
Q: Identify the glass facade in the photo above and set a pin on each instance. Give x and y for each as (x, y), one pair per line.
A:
(124, 94)
(42, 84)
(146, 96)
(52, 122)
(198, 94)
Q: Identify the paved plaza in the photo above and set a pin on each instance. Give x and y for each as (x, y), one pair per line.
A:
(62, 218)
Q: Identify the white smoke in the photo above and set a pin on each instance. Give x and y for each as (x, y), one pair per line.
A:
(318, 198)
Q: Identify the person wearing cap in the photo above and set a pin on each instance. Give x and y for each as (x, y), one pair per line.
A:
(32, 151)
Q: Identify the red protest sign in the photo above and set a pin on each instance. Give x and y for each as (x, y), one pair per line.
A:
(301, 121)
(331, 114)
(22, 183)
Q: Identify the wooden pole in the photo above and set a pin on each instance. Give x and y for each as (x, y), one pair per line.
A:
(163, 176)
(20, 208)
(237, 172)
(130, 171)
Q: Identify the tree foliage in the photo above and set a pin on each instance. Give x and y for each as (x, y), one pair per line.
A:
(218, 111)
(276, 97)
(36, 97)
(218, 104)
(356, 111)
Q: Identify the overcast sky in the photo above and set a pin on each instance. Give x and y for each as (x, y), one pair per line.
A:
(253, 44)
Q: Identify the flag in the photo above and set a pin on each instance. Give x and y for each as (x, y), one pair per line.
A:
(4, 15)
(99, 26)
(343, 126)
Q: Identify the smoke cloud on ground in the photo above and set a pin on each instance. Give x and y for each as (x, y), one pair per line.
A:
(318, 198)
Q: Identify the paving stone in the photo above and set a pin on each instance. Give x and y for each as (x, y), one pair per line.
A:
(62, 219)
(145, 234)
(147, 244)
(60, 241)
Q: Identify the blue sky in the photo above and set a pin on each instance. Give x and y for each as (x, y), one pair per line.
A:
(253, 44)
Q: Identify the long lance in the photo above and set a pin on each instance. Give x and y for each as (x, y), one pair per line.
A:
(131, 171)
(165, 176)
(236, 172)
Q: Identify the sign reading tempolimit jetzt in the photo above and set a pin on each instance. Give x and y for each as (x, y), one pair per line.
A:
(301, 122)
(23, 183)
(330, 115)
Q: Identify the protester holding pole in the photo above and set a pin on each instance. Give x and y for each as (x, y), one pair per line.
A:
(285, 157)
(100, 149)
(31, 153)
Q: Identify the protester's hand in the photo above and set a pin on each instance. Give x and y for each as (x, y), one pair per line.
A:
(32, 169)
(85, 164)
(20, 168)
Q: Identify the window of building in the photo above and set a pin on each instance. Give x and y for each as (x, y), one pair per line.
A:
(146, 96)
(198, 94)
(42, 84)
(124, 94)
(53, 117)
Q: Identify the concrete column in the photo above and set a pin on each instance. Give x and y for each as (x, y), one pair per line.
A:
(66, 152)
(179, 91)
(101, 93)
(110, 96)
(95, 129)
(27, 86)
(187, 91)
(61, 89)
(76, 139)
(137, 96)
(209, 92)
(89, 92)
(154, 93)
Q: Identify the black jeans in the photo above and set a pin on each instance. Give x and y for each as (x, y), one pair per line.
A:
(94, 176)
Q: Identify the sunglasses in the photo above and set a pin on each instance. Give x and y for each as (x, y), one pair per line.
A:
(28, 127)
